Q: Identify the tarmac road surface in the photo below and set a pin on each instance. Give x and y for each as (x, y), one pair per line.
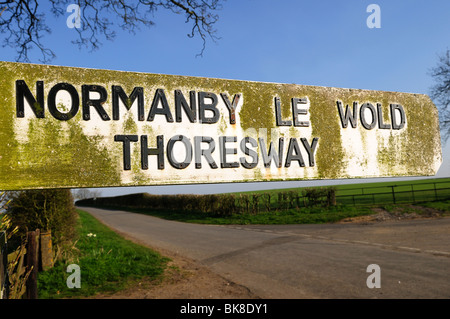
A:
(308, 261)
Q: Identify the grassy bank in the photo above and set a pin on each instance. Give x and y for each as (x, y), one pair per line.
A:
(313, 215)
(107, 263)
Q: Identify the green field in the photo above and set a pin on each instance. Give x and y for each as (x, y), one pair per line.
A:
(288, 206)
(380, 193)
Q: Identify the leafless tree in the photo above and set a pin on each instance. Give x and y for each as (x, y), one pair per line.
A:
(440, 92)
(22, 22)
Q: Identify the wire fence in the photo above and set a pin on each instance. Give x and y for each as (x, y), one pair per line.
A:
(395, 194)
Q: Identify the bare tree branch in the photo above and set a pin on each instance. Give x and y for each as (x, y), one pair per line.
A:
(202, 19)
(22, 25)
(440, 92)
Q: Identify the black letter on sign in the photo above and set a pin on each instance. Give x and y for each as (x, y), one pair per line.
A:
(165, 110)
(126, 139)
(224, 151)
(231, 105)
(201, 152)
(249, 152)
(51, 101)
(118, 92)
(310, 149)
(290, 156)
(37, 105)
(267, 158)
(280, 122)
(363, 119)
(97, 104)
(348, 115)
(187, 144)
(190, 110)
(398, 107)
(381, 125)
(158, 151)
(296, 112)
(202, 106)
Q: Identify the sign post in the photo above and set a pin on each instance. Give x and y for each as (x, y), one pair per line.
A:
(73, 127)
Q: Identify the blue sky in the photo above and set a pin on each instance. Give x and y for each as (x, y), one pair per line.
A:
(325, 43)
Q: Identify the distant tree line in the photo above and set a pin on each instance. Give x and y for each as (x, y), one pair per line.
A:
(221, 204)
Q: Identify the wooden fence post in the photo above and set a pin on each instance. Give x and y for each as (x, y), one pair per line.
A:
(46, 250)
(32, 261)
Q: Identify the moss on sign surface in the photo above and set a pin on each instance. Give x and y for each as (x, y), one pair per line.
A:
(46, 152)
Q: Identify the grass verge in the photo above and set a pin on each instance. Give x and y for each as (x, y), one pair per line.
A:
(311, 215)
(441, 205)
(107, 263)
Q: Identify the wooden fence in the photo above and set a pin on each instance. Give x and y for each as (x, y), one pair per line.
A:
(27, 261)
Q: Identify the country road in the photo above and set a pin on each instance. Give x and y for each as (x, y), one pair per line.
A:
(308, 261)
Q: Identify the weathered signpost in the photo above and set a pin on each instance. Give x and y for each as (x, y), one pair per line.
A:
(63, 127)
(72, 127)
